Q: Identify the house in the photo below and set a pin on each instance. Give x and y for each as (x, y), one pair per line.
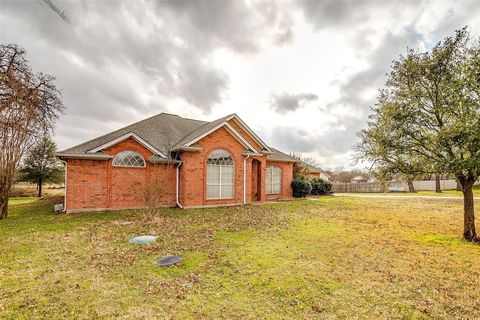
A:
(191, 163)
(359, 179)
(316, 172)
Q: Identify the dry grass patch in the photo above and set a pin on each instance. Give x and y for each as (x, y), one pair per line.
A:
(329, 258)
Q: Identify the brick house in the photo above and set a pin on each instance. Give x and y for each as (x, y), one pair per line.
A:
(192, 163)
(316, 172)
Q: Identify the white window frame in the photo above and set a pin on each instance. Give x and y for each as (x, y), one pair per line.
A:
(269, 183)
(220, 183)
(133, 167)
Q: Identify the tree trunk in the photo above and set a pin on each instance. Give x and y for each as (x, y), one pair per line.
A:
(469, 233)
(438, 189)
(3, 203)
(39, 186)
(459, 185)
(411, 187)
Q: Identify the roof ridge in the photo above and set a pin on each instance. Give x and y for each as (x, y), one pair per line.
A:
(112, 132)
(206, 123)
(176, 115)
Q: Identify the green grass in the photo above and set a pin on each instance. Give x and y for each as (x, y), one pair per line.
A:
(324, 259)
(20, 200)
(444, 193)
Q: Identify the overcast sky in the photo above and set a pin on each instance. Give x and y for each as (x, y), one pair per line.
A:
(301, 74)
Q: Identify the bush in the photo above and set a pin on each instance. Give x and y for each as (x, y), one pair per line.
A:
(320, 187)
(301, 188)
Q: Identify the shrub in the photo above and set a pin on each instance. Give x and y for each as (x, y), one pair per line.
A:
(320, 187)
(301, 188)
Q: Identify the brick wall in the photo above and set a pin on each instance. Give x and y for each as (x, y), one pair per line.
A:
(98, 185)
(193, 170)
(287, 177)
(94, 184)
(244, 134)
(86, 184)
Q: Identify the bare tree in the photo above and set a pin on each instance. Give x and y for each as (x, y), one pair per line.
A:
(57, 10)
(30, 105)
(155, 193)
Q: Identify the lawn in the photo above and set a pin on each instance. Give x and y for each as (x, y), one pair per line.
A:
(444, 193)
(314, 259)
(13, 201)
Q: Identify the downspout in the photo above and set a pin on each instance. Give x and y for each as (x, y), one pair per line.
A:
(245, 179)
(177, 186)
(65, 188)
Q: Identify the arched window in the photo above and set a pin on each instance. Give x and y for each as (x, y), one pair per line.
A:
(219, 175)
(128, 159)
(274, 180)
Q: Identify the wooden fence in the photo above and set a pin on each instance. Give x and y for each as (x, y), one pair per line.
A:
(358, 187)
(382, 187)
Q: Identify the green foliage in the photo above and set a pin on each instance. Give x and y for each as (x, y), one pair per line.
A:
(320, 187)
(301, 187)
(427, 119)
(40, 165)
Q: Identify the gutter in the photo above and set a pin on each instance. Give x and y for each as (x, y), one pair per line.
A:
(92, 156)
(65, 188)
(177, 199)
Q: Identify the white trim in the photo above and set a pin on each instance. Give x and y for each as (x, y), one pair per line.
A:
(123, 166)
(249, 131)
(229, 128)
(65, 188)
(177, 186)
(271, 181)
(125, 137)
(239, 137)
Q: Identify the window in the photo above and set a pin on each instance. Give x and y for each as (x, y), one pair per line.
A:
(274, 180)
(219, 175)
(128, 159)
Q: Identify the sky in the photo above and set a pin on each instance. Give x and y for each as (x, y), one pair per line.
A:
(301, 74)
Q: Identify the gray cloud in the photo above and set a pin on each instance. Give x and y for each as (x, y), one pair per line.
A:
(357, 23)
(338, 139)
(286, 102)
(119, 61)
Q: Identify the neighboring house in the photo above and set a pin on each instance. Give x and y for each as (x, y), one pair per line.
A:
(316, 172)
(196, 163)
(359, 179)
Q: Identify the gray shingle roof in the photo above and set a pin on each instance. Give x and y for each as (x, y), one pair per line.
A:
(313, 169)
(278, 155)
(163, 132)
(200, 130)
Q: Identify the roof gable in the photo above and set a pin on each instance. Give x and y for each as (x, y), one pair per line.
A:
(210, 127)
(229, 128)
(160, 132)
(125, 137)
(167, 132)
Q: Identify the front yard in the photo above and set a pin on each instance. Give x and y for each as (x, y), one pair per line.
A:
(327, 258)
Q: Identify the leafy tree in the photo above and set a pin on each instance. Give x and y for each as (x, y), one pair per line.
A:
(427, 119)
(40, 165)
(300, 170)
(29, 106)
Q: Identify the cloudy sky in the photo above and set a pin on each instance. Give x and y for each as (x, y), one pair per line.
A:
(301, 74)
